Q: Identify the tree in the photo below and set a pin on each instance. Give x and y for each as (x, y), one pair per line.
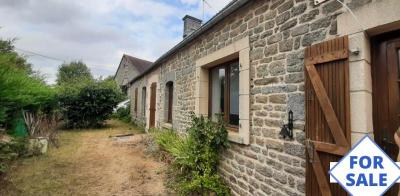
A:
(7, 47)
(20, 91)
(73, 72)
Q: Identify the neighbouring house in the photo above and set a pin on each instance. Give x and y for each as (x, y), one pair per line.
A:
(333, 66)
(129, 68)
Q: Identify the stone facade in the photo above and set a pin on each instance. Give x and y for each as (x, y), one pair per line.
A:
(125, 72)
(278, 31)
(129, 68)
(141, 117)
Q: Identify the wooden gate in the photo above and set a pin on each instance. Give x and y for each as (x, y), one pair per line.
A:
(327, 112)
(153, 91)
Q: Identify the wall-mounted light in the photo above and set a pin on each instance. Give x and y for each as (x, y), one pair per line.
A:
(287, 129)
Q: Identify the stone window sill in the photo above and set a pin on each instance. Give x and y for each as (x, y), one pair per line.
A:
(235, 137)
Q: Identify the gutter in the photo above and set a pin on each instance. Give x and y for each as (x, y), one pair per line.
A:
(229, 9)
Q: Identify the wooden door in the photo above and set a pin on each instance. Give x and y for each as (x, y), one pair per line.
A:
(386, 78)
(327, 113)
(153, 95)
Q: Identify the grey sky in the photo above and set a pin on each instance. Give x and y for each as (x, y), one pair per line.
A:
(97, 32)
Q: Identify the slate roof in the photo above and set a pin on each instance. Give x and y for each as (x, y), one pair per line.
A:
(140, 64)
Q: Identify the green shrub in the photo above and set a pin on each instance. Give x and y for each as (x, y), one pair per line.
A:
(196, 157)
(10, 151)
(88, 103)
(21, 91)
(123, 114)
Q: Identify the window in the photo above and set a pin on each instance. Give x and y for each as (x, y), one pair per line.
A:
(224, 93)
(136, 97)
(169, 94)
(144, 101)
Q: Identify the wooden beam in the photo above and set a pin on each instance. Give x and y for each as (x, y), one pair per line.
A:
(330, 148)
(326, 106)
(320, 175)
(327, 57)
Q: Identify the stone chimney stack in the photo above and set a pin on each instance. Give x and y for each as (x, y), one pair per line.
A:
(190, 24)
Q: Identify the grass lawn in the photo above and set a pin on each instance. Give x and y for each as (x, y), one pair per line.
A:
(88, 162)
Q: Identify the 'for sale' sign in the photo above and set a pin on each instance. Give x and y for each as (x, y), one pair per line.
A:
(365, 170)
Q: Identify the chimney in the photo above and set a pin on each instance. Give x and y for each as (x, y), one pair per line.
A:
(190, 24)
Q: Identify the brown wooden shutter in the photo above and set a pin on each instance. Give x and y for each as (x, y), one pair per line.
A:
(327, 112)
(136, 101)
(153, 94)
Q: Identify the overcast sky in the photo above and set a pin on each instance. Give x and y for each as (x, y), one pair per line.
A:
(97, 32)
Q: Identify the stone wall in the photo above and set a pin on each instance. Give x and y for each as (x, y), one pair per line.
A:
(125, 72)
(278, 31)
(138, 117)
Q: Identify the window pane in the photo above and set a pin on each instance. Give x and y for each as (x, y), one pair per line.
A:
(144, 101)
(234, 94)
(217, 90)
(169, 101)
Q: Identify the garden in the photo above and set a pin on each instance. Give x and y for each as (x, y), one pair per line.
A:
(71, 134)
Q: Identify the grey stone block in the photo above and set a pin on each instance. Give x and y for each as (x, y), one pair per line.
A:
(296, 104)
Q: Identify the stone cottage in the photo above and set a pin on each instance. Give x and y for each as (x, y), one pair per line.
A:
(129, 68)
(331, 67)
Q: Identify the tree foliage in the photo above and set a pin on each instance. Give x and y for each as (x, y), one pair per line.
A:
(7, 47)
(20, 90)
(73, 72)
(123, 114)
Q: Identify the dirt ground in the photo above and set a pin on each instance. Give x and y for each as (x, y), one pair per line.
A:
(89, 162)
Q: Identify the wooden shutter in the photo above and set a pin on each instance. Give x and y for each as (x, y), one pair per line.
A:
(327, 112)
(153, 91)
(136, 101)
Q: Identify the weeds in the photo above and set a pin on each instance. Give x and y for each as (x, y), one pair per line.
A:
(195, 157)
(9, 151)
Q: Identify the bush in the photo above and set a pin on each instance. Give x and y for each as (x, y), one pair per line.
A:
(123, 114)
(10, 151)
(196, 156)
(88, 103)
(21, 91)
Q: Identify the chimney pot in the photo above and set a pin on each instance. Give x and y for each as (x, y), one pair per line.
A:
(190, 24)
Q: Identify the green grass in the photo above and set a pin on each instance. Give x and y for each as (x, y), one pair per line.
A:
(59, 171)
